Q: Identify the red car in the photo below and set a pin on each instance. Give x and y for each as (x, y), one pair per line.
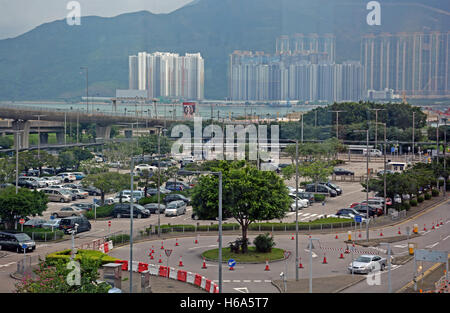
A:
(353, 204)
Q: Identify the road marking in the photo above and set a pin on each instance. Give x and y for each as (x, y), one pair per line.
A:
(400, 246)
(312, 215)
(242, 289)
(267, 281)
(8, 264)
(237, 281)
(291, 213)
(257, 281)
(306, 214)
(433, 245)
(446, 237)
(247, 281)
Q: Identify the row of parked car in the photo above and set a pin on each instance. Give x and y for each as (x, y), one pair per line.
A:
(374, 207)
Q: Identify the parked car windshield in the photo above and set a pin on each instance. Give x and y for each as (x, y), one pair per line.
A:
(22, 237)
(363, 259)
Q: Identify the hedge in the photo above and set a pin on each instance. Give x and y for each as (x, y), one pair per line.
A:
(413, 202)
(102, 211)
(435, 193)
(319, 197)
(119, 238)
(89, 254)
(420, 199)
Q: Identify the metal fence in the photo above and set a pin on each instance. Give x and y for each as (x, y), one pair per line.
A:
(46, 236)
(25, 265)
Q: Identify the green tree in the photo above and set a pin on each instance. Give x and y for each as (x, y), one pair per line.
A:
(317, 171)
(53, 279)
(25, 203)
(66, 159)
(149, 144)
(107, 182)
(7, 170)
(248, 195)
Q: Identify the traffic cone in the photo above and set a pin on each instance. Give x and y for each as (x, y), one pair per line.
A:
(162, 245)
(181, 262)
(231, 268)
(347, 250)
(336, 237)
(359, 235)
(442, 223)
(424, 228)
(381, 234)
(196, 241)
(204, 264)
(432, 227)
(160, 261)
(292, 238)
(324, 259)
(300, 265)
(151, 257)
(399, 232)
(176, 242)
(267, 266)
(342, 256)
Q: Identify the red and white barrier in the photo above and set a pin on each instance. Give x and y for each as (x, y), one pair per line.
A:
(173, 273)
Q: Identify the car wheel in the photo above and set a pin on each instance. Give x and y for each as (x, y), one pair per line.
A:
(62, 200)
(74, 215)
(382, 267)
(55, 215)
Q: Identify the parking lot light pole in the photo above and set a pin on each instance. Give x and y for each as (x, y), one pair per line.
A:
(159, 180)
(389, 265)
(367, 178)
(296, 208)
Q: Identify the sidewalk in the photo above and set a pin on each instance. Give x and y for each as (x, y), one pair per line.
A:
(427, 282)
(322, 285)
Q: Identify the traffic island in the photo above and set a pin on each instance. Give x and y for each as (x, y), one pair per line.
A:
(374, 242)
(332, 284)
(252, 256)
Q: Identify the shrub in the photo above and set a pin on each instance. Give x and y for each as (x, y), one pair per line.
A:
(119, 238)
(319, 197)
(420, 199)
(264, 243)
(435, 192)
(427, 196)
(413, 202)
(102, 211)
(405, 206)
(52, 258)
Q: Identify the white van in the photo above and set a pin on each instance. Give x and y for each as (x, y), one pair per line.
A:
(175, 208)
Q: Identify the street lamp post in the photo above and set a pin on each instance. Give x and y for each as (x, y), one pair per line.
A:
(445, 160)
(376, 125)
(337, 122)
(296, 209)
(367, 178)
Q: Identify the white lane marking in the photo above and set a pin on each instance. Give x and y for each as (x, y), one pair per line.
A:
(306, 214)
(7, 264)
(291, 213)
(312, 215)
(400, 246)
(433, 245)
(243, 289)
(236, 281)
(267, 281)
(257, 281)
(247, 281)
(446, 237)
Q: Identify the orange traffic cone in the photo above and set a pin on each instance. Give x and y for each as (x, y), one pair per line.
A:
(381, 234)
(424, 228)
(336, 237)
(432, 227)
(267, 266)
(160, 261)
(324, 259)
(359, 235)
(204, 264)
(176, 242)
(292, 238)
(442, 223)
(342, 256)
(300, 265)
(162, 245)
(151, 257)
(181, 262)
(196, 241)
(399, 232)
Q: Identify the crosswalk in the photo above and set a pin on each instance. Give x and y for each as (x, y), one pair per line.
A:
(244, 281)
(307, 216)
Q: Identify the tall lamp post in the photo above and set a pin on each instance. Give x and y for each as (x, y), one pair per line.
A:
(445, 160)
(376, 125)
(87, 87)
(367, 178)
(337, 122)
(384, 173)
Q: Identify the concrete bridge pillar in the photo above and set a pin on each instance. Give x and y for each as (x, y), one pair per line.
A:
(24, 135)
(43, 137)
(59, 138)
(103, 132)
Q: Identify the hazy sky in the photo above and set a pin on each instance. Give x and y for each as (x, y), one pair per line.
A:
(20, 16)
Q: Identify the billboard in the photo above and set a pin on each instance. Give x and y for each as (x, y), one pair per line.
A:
(189, 109)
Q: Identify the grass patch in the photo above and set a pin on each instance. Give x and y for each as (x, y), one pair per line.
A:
(251, 256)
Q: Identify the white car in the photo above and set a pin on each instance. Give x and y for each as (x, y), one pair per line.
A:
(81, 194)
(292, 190)
(67, 177)
(145, 167)
(302, 203)
(125, 198)
(51, 181)
(367, 263)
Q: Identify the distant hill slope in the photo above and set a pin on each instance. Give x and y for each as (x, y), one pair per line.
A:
(44, 63)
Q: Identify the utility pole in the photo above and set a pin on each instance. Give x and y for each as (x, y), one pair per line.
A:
(413, 133)
(376, 125)
(296, 208)
(445, 160)
(159, 180)
(337, 122)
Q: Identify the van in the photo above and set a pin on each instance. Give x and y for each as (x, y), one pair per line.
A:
(321, 189)
(15, 242)
(175, 208)
(124, 210)
(57, 195)
(68, 223)
(373, 152)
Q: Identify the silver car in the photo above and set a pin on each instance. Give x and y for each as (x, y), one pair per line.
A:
(175, 208)
(367, 263)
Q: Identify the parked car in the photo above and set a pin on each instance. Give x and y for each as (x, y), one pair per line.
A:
(68, 224)
(124, 210)
(68, 211)
(35, 222)
(50, 181)
(397, 199)
(93, 191)
(80, 193)
(72, 186)
(154, 191)
(177, 186)
(137, 194)
(85, 206)
(321, 189)
(79, 175)
(373, 211)
(15, 242)
(349, 213)
(378, 202)
(145, 167)
(153, 207)
(334, 187)
(123, 198)
(302, 203)
(307, 195)
(176, 197)
(53, 223)
(381, 173)
(175, 208)
(67, 177)
(25, 183)
(57, 195)
(340, 171)
(69, 192)
(367, 263)
(40, 183)
(372, 152)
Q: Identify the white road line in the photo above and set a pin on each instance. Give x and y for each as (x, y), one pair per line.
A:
(312, 215)
(267, 281)
(256, 281)
(306, 214)
(446, 237)
(291, 213)
(236, 281)
(400, 246)
(246, 281)
(7, 264)
(431, 246)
